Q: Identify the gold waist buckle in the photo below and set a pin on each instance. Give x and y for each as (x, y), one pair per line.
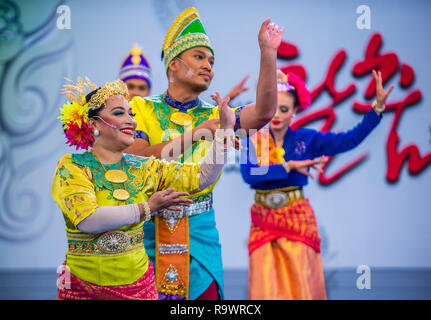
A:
(105, 244)
(275, 199)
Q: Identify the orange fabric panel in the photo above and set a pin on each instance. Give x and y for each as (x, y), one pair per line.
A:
(283, 269)
(177, 263)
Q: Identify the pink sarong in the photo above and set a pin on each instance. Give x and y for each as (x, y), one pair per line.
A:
(142, 289)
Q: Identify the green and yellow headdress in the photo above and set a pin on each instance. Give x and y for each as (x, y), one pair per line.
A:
(186, 32)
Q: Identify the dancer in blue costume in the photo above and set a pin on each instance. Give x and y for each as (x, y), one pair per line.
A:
(284, 242)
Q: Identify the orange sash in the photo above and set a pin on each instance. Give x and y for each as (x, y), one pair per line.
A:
(172, 258)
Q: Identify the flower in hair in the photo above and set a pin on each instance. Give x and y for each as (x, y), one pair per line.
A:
(75, 113)
(290, 81)
(78, 135)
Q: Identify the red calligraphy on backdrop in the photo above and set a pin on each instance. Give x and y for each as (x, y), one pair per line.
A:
(389, 65)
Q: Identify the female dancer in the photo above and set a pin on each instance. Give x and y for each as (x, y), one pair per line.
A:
(284, 243)
(106, 195)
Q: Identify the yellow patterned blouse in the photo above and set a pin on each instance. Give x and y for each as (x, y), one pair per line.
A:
(154, 118)
(79, 188)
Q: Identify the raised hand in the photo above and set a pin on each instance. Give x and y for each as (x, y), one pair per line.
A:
(381, 94)
(227, 116)
(168, 199)
(302, 165)
(269, 35)
(238, 88)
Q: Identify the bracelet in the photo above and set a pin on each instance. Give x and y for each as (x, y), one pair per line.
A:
(286, 167)
(380, 110)
(147, 211)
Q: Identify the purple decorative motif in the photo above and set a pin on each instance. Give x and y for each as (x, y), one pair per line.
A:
(163, 296)
(300, 147)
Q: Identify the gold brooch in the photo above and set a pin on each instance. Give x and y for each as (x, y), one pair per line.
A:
(181, 119)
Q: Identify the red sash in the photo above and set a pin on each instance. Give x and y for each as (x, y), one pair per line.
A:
(295, 221)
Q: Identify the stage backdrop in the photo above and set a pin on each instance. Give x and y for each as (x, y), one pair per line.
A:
(372, 204)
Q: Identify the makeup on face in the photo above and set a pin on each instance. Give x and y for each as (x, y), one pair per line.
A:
(200, 61)
(118, 115)
(285, 111)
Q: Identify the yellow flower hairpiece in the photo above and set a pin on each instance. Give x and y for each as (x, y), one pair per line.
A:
(74, 112)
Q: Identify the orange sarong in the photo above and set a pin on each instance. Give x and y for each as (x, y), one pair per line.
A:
(284, 254)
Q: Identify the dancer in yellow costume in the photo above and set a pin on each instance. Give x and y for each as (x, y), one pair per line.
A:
(177, 123)
(106, 195)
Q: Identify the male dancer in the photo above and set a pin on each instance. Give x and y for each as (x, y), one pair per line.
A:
(185, 247)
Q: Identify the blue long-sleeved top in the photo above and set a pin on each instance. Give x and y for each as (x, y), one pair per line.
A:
(302, 144)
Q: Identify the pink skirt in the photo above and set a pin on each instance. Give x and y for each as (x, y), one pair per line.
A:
(142, 289)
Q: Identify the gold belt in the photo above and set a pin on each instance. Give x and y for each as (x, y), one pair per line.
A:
(278, 198)
(105, 244)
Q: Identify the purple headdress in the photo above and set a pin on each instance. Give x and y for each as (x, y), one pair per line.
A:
(136, 66)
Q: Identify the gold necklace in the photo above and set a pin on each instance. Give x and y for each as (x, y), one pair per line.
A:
(117, 176)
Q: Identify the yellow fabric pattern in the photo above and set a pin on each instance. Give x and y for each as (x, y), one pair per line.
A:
(149, 121)
(73, 192)
(78, 191)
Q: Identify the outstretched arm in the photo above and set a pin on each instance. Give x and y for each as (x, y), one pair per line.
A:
(332, 143)
(169, 150)
(255, 174)
(255, 116)
(109, 218)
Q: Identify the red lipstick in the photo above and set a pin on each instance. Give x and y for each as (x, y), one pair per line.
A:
(129, 131)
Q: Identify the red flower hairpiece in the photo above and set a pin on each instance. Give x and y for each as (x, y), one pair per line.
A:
(79, 136)
(292, 80)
